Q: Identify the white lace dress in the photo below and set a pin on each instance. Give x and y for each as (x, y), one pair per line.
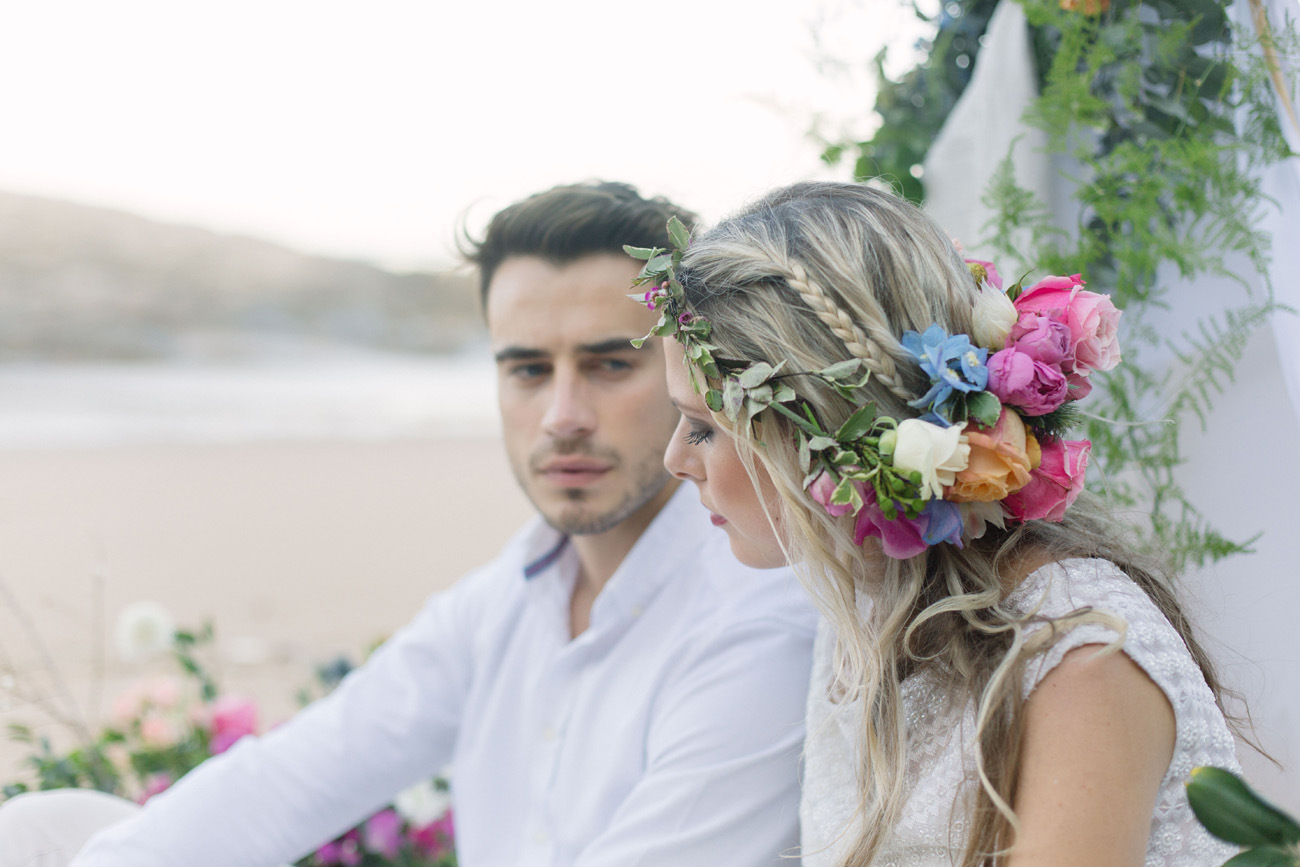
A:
(940, 772)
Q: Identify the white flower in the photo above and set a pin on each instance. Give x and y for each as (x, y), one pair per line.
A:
(422, 804)
(993, 317)
(144, 629)
(937, 453)
(977, 516)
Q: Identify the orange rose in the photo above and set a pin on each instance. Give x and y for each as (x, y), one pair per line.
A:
(1001, 458)
(1087, 7)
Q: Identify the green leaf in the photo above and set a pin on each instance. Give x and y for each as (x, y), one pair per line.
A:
(1232, 811)
(679, 233)
(857, 425)
(805, 453)
(658, 263)
(783, 394)
(841, 370)
(1264, 856)
(757, 373)
(643, 253)
(713, 399)
(819, 443)
(984, 407)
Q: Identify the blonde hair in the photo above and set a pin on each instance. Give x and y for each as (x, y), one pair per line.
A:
(810, 275)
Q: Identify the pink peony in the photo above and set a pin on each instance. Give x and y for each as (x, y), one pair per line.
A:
(383, 834)
(232, 718)
(1056, 483)
(1016, 379)
(1092, 319)
(158, 732)
(1079, 385)
(346, 850)
(1043, 339)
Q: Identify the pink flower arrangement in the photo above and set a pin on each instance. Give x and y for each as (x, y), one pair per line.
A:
(1092, 319)
(230, 719)
(1031, 386)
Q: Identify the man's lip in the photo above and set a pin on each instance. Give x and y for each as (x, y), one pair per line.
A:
(573, 465)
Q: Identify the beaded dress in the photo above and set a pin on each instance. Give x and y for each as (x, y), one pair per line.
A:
(940, 770)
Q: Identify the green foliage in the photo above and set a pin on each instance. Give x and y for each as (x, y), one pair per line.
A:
(1232, 811)
(1168, 116)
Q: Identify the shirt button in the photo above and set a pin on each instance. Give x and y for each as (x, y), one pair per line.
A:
(541, 838)
(636, 610)
(548, 733)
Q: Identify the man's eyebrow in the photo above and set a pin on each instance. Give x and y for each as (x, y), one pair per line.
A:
(518, 353)
(604, 347)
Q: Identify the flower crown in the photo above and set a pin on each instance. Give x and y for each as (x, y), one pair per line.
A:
(987, 446)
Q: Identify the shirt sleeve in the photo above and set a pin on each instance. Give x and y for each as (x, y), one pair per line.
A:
(722, 778)
(274, 798)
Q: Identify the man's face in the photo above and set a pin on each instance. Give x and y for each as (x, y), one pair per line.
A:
(585, 416)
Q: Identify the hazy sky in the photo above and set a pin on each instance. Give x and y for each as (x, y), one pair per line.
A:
(367, 129)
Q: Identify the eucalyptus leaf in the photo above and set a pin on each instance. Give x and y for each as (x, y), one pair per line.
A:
(713, 400)
(659, 263)
(641, 252)
(756, 374)
(817, 444)
(805, 453)
(842, 369)
(783, 394)
(679, 233)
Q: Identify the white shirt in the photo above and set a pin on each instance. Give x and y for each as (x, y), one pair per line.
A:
(668, 733)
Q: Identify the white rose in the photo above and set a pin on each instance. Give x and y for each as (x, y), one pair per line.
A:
(993, 317)
(143, 630)
(422, 804)
(937, 453)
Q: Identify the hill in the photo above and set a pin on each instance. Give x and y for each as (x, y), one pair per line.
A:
(87, 283)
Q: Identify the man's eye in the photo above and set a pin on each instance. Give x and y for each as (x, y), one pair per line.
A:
(699, 436)
(529, 371)
(613, 365)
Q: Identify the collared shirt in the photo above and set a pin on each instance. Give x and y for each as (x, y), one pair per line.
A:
(668, 733)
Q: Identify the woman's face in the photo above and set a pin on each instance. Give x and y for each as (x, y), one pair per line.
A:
(705, 454)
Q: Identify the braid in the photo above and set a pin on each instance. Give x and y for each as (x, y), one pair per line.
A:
(878, 361)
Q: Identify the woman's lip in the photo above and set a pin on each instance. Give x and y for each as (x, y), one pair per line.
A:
(717, 519)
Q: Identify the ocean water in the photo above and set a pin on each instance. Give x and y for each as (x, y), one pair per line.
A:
(330, 394)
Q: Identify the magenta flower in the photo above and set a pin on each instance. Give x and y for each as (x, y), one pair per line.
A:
(900, 538)
(156, 784)
(232, 718)
(1034, 388)
(346, 850)
(382, 833)
(435, 840)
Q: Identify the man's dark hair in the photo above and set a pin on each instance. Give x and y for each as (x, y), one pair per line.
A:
(568, 222)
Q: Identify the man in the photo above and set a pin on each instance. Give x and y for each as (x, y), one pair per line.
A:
(612, 689)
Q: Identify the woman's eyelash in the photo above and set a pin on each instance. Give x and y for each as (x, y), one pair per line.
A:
(697, 437)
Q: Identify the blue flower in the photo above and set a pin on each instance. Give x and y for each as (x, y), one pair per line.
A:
(955, 367)
(943, 523)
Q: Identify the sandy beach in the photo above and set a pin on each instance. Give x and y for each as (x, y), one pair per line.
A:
(295, 551)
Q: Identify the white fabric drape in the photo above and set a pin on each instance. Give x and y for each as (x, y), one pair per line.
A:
(1243, 469)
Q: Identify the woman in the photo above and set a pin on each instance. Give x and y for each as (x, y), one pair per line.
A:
(1001, 677)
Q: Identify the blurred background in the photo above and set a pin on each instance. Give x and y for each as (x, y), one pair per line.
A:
(241, 372)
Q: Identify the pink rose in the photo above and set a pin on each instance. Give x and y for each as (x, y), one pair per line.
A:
(1015, 378)
(382, 834)
(1056, 483)
(1043, 339)
(1079, 385)
(232, 718)
(1092, 319)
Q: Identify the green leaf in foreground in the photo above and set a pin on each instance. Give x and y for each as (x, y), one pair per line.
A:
(1232, 811)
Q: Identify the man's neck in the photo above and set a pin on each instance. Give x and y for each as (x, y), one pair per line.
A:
(600, 555)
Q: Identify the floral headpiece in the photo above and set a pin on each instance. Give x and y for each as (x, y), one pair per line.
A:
(987, 446)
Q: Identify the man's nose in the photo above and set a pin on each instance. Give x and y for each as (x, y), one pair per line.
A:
(571, 412)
